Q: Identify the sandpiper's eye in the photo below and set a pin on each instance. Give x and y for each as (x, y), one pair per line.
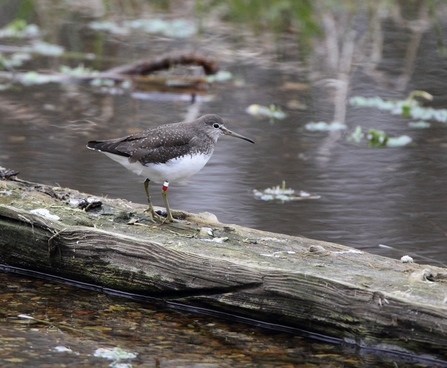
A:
(215, 125)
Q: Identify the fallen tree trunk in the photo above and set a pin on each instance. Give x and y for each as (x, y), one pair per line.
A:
(321, 287)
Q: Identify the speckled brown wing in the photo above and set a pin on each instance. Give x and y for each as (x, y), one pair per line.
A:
(149, 146)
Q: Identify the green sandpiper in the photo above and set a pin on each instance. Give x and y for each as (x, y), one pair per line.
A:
(167, 153)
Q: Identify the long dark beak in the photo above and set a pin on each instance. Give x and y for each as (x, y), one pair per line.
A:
(233, 134)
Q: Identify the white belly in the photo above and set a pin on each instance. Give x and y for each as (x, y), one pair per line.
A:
(175, 170)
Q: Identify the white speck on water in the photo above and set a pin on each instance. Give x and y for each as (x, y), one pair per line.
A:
(62, 349)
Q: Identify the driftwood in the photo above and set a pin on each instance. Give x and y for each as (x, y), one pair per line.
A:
(325, 288)
(141, 73)
(166, 62)
(167, 73)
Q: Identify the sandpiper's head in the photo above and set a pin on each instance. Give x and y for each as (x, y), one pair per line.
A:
(216, 127)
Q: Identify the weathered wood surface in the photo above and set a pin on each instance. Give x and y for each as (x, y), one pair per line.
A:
(317, 286)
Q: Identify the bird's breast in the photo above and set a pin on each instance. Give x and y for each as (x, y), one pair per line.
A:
(174, 170)
(177, 169)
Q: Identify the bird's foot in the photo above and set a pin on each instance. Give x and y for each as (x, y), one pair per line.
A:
(160, 216)
(166, 216)
(155, 217)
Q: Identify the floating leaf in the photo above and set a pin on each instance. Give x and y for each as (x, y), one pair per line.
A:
(15, 60)
(17, 25)
(357, 135)
(272, 112)
(220, 76)
(80, 70)
(377, 138)
(406, 111)
(102, 82)
(179, 28)
(108, 26)
(401, 141)
(45, 48)
(174, 28)
(31, 78)
(18, 28)
(408, 108)
(323, 126)
(282, 194)
(419, 124)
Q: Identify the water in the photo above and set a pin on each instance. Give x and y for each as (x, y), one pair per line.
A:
(391, 196)
(47, 324)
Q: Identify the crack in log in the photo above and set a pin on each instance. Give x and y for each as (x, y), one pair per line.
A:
(176, 294)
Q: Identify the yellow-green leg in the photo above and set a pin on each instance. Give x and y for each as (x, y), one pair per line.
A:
(164, 193)
(150, 209)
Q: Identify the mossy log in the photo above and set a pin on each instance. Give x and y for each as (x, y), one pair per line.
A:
(321, 287)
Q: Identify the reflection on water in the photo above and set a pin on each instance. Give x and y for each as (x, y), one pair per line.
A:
(67, 327)
(369, 197)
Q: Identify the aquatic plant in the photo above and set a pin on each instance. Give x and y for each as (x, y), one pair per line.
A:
(323, 126)
(178, 28)
(19, 28)
(15, 60)
(378, 138)
(80, 70)
(44, 48)
(272, 111)
(282, 194)
(407, 108)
